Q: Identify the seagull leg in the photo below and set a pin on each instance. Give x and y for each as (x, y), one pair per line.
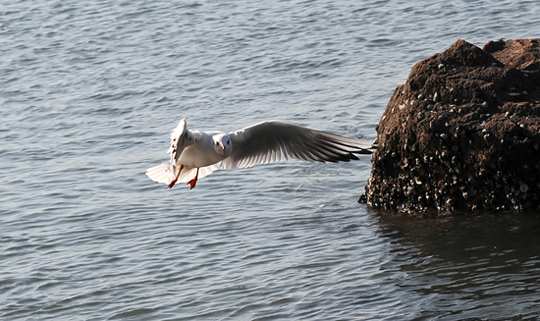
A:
(194, 181)
(171, 184)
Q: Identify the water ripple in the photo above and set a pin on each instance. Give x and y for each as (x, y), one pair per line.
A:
(89, 92)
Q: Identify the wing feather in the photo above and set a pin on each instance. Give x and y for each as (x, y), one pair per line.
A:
(181, 138)
(276, 141)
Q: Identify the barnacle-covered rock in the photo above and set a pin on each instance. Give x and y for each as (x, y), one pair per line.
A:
(463, 133)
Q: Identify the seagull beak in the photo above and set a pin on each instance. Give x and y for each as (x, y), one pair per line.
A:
(223, 147)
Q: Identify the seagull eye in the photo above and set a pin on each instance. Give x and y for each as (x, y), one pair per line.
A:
(228, 142)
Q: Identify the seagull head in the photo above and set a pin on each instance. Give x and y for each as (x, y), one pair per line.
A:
(222, 144)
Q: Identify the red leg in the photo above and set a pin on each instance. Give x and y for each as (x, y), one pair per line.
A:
(194, 181)
(171, 184)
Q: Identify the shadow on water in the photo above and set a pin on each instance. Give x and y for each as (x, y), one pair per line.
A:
(483, 267)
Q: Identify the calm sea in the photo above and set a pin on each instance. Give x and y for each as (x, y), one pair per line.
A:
(89, 91)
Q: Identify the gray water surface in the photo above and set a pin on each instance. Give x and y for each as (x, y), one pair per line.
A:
(89, 91)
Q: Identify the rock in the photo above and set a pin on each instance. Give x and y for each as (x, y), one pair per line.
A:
(471, 142)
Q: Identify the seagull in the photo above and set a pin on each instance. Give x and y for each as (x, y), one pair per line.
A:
(196, 154)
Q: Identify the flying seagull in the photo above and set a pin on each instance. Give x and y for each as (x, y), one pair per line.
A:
(196, 154)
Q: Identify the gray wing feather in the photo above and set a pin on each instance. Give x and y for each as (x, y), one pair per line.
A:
(181, 138)
(275, 141)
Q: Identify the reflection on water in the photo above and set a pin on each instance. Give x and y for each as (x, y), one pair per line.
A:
(489, 265)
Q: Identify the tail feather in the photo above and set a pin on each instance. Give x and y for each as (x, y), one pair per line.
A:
(205, 171)
(162, 173)
(188, 173)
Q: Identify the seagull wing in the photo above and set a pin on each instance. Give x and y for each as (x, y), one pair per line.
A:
(181, 138)
(275, 141)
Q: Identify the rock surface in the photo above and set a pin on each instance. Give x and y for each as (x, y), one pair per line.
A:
(463, 133)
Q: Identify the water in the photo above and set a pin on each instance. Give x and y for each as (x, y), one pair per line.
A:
(89, 91)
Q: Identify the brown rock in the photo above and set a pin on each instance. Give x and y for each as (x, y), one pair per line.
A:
(463, 133)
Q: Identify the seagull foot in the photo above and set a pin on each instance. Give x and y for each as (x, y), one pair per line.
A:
(194, 181)
(171, 184)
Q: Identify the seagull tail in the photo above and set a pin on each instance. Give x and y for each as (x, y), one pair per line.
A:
(162, 173)
(189, 173)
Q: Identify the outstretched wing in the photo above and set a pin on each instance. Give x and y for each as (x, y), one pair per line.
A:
(181, 138)
(275, 141)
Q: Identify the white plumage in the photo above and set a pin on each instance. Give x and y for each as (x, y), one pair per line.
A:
(196, 154)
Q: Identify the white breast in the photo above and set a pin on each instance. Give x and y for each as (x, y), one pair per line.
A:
(200, 154)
